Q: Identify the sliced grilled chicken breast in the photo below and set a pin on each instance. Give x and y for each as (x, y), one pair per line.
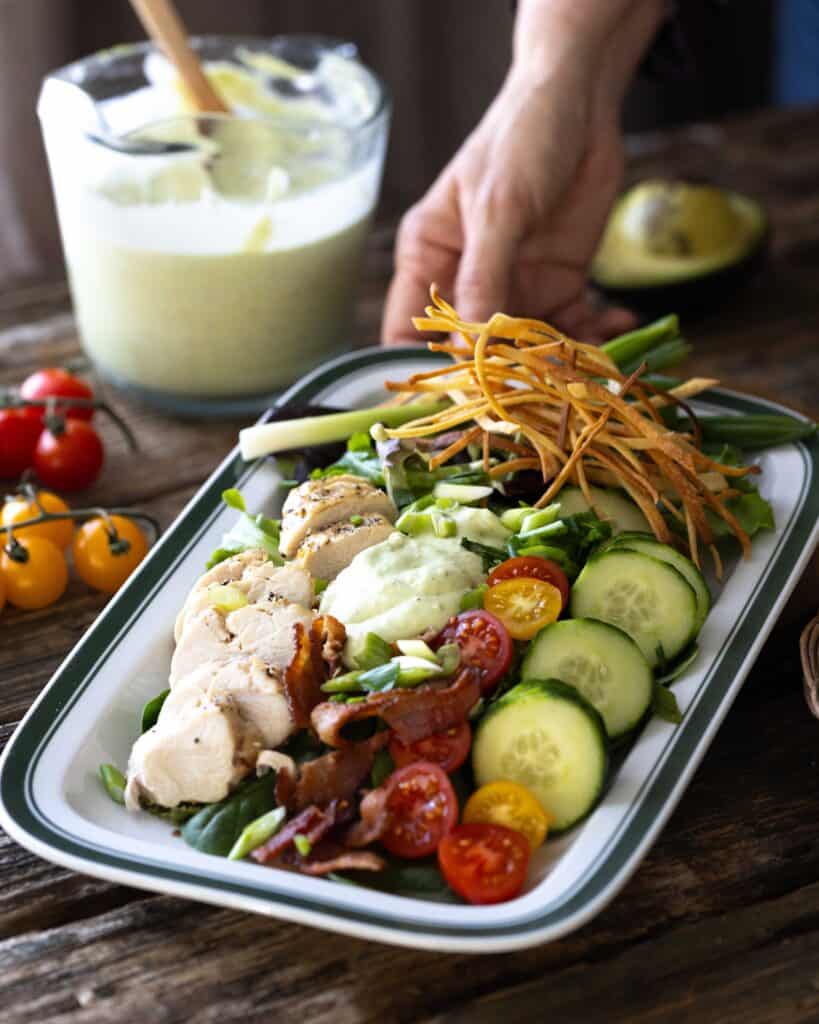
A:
(317, 504)
(255, 576)
(199, 749)
(246, 681)
(326, 552)
(264, 629)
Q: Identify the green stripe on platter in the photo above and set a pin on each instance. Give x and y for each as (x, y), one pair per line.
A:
(100, 642)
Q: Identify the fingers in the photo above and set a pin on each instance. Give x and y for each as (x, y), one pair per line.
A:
(482, 286)
(582, 321)
(421, 257)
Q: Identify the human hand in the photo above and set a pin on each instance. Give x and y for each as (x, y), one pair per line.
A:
(514, 220)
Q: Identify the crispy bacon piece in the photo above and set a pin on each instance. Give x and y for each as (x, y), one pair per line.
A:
(329, 856)
(336, 776)
(411, 714)
(373, 821)
(302, 679)
(312, 823)
(333, 638)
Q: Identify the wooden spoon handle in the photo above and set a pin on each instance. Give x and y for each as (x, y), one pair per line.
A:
(163, 24)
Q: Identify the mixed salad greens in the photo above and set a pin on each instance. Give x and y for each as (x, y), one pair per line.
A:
(499, 654)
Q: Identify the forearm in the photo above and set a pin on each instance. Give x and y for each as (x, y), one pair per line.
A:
(595, 45)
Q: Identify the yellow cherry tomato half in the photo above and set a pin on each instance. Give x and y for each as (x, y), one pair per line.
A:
(104, 561)
(19, 508)
(509, 804)
(524, 605)
(35, 573)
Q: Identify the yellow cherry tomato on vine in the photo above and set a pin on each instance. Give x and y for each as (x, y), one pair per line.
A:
(105, 561)
(509, 804)
(35, 572)
(19, 508)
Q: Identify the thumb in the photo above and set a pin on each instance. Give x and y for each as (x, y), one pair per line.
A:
(483, 282)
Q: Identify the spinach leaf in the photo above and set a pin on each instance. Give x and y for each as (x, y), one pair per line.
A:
(150, 713)
(664, 704)
(249, 531)
(216, 827)
(360, 459)
(490, 556)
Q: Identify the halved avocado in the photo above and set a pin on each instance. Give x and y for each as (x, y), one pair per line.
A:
(672, 245)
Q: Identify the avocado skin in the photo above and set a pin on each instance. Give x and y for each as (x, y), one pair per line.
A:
(695, 295)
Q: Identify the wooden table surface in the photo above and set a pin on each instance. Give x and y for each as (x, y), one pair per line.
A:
(721, 921)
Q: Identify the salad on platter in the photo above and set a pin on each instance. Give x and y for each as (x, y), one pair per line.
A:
(435, 659)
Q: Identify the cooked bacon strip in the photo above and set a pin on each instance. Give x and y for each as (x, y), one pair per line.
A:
(313, 823)
(302, 679)
(333, 638)
(373, 821)
(334, 776)
(319, 863)
(411, 714)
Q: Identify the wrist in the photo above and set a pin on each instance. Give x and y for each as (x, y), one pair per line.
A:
(559, 39)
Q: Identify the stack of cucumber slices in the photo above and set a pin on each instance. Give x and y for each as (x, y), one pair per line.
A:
(589, 680)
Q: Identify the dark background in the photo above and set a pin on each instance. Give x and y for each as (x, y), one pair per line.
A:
(443, 61)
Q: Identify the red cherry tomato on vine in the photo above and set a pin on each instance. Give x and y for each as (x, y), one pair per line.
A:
(532, 568)
(56, 383)
(19, 435)
(485, 644)
(484, 863)
(69, 459)
(447, 749)
(421, 809)
(103, 562)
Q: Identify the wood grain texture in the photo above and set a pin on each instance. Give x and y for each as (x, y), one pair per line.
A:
(721, 921)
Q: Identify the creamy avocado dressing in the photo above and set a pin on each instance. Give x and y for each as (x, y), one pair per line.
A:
(402, 587)
(477, 524)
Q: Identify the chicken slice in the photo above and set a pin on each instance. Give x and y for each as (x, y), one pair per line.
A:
(264, 629)
(255, 691)
(253, 574)
(199, 749)
(326, 552)
(316, 504)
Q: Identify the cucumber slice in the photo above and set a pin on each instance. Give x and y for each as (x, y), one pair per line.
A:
(613, 506)
(646, 544)
(543, 735)
(601, 662)
(646, 598)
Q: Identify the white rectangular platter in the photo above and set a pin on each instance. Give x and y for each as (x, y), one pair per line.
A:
(51, 800)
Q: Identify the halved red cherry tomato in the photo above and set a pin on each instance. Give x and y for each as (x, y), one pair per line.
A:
(447, 749)
(70, 459)
(484, 863)
(484, 642)
(524, 605)
(421, 809)
(533, 568)
(18, 439)
(56, 383)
